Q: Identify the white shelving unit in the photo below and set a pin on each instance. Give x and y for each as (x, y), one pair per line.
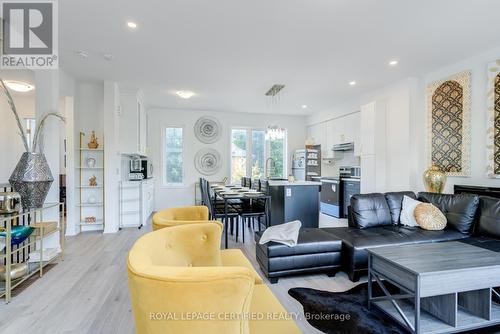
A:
(136, 202)
(130, 204)
(87, 206)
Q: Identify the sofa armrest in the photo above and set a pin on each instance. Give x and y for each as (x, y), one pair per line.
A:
(350, 217)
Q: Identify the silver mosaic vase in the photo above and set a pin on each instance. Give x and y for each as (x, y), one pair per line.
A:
(32, 179)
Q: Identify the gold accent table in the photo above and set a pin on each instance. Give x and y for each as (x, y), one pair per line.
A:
(35, 242)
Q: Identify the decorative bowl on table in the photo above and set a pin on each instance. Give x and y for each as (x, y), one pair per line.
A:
(10, 202)
(19, 233)
(17, 270)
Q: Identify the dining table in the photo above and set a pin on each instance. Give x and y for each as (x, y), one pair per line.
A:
(229, 194)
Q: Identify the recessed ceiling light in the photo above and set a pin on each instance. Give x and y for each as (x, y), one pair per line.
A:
(393, 62)
(83, 54)
(185, 94)
(352, 83)
(131, 25)
(304, 106)
(19, 86)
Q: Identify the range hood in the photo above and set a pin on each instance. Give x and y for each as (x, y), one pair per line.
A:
(343, 147)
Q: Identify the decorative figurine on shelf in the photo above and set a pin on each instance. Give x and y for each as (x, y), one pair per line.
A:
(90, 219)
(93, 144)
(90, 162)
(91, 200)
(93, 181)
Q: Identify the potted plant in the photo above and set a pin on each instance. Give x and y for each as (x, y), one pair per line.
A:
(32, 177)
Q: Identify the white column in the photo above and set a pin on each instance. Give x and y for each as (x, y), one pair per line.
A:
(47, 101)
(112, 159)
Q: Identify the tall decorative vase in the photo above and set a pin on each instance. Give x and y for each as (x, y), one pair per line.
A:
(32, 179)
(434, 179)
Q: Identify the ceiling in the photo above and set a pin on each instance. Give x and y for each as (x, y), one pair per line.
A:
(230, 52)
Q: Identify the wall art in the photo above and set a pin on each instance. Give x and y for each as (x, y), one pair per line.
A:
(207, 161)
(207, 129)
(493, 126)
(449, 107)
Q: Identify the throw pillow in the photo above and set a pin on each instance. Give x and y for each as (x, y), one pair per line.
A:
(430, 217)
(407, 217)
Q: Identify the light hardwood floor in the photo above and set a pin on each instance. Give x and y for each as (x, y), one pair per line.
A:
(88, 291)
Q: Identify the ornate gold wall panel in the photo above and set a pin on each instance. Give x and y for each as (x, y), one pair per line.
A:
(493, 126)
(449, 124)
(497, 125)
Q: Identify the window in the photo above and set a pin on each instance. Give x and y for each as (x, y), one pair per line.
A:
(276, 149)
(249, 151)
(238, 154)
(173, 156)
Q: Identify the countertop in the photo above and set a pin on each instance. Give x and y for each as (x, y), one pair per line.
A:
(296, 183)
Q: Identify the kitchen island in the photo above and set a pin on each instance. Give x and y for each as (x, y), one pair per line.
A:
(297, 200)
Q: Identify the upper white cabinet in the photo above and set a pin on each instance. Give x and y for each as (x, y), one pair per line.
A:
(133, 123)
(318, 133)
(373, 147)
(342, 130)
(331, 135)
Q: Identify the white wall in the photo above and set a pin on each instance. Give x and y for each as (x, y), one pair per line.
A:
(12, 146)
(407, 124)
(112, 159)
(160, 118)
(478, 66)
(398, 99)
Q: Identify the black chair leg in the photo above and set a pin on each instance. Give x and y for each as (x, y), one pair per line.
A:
(243, 233)
(237, 230)
(226, 226)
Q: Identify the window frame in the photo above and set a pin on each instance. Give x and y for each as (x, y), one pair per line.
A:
(249, 150)
(166, 184)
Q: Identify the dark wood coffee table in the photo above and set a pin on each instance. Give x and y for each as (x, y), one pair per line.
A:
(445, 287)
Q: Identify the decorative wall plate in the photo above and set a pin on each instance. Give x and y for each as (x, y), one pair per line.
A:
(207, 161)
(207, 129)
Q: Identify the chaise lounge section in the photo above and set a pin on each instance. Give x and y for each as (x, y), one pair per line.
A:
(374, 222)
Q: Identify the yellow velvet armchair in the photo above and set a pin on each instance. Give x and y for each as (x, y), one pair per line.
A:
(179, 216)
(179, 284)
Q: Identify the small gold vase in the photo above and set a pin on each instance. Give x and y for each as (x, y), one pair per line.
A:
(434, 179)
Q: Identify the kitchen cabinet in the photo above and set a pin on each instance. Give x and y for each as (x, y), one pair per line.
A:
(373, 147)
(345, 129)
(133, 123)
(331, 132)
(318, 133)
(147, 188)
(136, 202)
(350, 131)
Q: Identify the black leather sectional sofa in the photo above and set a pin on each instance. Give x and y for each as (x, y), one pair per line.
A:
(374, 222)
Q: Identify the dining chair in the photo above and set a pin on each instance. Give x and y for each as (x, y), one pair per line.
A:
(220, 210)
(255, 184)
